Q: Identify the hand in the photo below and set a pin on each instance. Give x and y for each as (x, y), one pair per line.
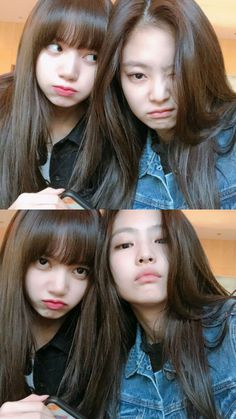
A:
(31, 407)
(46, 199)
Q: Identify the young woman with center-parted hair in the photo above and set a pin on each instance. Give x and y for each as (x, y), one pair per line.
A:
(169, 328)
(164, 113)
(43, 103)
(48, 323)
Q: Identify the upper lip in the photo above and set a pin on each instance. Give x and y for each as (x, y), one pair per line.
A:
(147, 272)
(161, 110)
(66, 88)
(54, 301)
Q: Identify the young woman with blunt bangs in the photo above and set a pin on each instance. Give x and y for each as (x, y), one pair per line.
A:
(43, 103)
(48, 327)
(164, 112)
(169, 325)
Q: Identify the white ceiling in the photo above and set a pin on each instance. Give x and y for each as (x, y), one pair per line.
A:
(222, 13)
(209, 224)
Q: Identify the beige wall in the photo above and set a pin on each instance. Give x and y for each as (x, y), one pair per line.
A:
(9, 38)
(2, 231)
(228, 47)
(222, 256)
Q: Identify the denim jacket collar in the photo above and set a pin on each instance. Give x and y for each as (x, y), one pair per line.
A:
(137, 358)
(150, 161)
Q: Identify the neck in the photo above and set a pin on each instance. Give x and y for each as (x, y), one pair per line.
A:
(151, 320)
(63, 120)
(45, 329)
(165, 136)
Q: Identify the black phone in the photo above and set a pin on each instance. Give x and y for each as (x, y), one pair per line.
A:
(61, 410)
(74, 201)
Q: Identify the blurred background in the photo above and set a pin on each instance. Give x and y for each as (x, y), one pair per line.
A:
(221, 13)
(216, 230)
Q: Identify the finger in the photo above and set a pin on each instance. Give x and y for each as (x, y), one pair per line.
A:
(45, 201)
(31, 415)
(52, 191)
(38, 201)
(42, 207)
(35, 397)
(24, 407)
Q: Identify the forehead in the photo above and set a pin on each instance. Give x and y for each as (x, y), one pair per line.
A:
(150, 45)
(137, 220)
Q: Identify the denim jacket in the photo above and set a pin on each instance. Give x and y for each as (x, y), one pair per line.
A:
(157, 190)
(153, 395)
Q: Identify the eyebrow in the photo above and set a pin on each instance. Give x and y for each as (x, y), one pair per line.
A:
(134, 64)
(145, 66)
(134, 230)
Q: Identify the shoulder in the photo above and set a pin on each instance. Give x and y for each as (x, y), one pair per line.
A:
(219, 311)
(219, 330)
(227, 134)
(219, 324)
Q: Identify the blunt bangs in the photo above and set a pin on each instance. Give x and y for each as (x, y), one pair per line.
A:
(68, 236)
(80, 24)
(70, 243)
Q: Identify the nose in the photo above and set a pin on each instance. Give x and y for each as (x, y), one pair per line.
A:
(159, 90)
(59, 282)
(145, 255)
(69, 66)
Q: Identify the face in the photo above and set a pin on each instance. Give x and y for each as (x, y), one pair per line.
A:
(65, 74)
(147, 77)
(53, 289)
(138, 258)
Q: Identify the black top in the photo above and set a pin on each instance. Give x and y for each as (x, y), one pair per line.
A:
(154, 351)
(50, 361)
(63, 156)
(162, 150)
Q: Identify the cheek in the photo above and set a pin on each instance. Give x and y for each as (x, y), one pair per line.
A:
(127, 88)
(134, 98)
(116, 265)
(29, 283)
(40, 72)
(88, 79)
(45, 69)
(32, 294)
(78, 291)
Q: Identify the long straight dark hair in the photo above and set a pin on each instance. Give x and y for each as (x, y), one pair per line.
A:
(191, 287)
(206, 105)
(70, 237)
(24, 109)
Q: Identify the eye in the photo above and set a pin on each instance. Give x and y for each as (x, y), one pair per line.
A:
(161, 241)
(81, 272)
(136, 76)
(54, 47)
(42, 263)
(123, 246)
(91, 57)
